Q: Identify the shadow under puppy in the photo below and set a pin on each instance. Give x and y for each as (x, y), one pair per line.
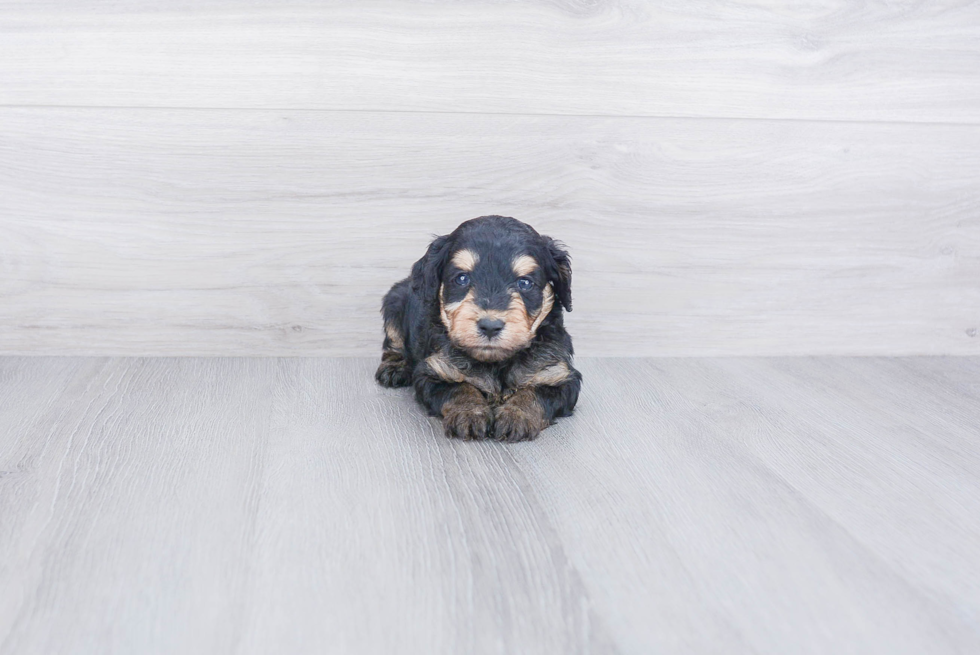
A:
(477, 329)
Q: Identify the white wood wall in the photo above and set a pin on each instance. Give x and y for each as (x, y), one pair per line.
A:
(231, 178)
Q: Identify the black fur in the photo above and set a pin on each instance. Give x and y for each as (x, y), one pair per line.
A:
(478, 398)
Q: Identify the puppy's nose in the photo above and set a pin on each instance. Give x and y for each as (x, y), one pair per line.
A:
(490, 327)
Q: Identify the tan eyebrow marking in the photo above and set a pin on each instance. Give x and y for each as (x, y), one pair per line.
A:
(524, 265)
(465, 260)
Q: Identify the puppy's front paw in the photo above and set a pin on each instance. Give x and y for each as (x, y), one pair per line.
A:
(393, 372)
(467, 415)
(472, 424)
(521, 418)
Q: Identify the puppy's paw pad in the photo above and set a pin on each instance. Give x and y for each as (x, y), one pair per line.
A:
(468, 423)
(516, 424)
(392, 374)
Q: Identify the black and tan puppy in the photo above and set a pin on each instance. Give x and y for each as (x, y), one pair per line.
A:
(477, 329)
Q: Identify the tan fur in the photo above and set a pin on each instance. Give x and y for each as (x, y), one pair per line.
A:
(395, 337)
(444, 369)
(465, 260)
(524, 265)
(550, 376)
(514, 336)
(448, 312)
(547, 302)
(536, 373)
(460, 319)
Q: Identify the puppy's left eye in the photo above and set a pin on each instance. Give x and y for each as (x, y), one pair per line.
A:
(524, 283)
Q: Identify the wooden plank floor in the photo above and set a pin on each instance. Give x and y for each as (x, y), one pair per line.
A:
(819, 505)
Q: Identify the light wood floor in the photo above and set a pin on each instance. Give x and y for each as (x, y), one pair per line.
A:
(820, 505)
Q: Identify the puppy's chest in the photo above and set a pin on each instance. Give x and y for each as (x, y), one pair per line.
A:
(496, 381)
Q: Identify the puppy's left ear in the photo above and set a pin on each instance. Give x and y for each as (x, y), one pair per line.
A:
(560, 272)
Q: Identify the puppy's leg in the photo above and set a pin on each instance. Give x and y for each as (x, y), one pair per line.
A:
(531, 409)
(559, 400)
(521, 417)
(465, 412)
(395, 369)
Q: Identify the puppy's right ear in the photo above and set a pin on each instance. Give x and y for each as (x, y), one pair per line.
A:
(427, 272)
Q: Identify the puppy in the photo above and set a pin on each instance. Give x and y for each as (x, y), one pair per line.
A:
(477, 329)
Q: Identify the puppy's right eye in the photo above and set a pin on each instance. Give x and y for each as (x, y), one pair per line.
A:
(462, 279)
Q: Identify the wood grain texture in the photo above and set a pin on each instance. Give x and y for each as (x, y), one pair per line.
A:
(826, 487)
(179, 232)
(291, 505)
(829, 59)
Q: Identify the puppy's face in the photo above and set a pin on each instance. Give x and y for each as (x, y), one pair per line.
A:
(492, 283)
(493, 297)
